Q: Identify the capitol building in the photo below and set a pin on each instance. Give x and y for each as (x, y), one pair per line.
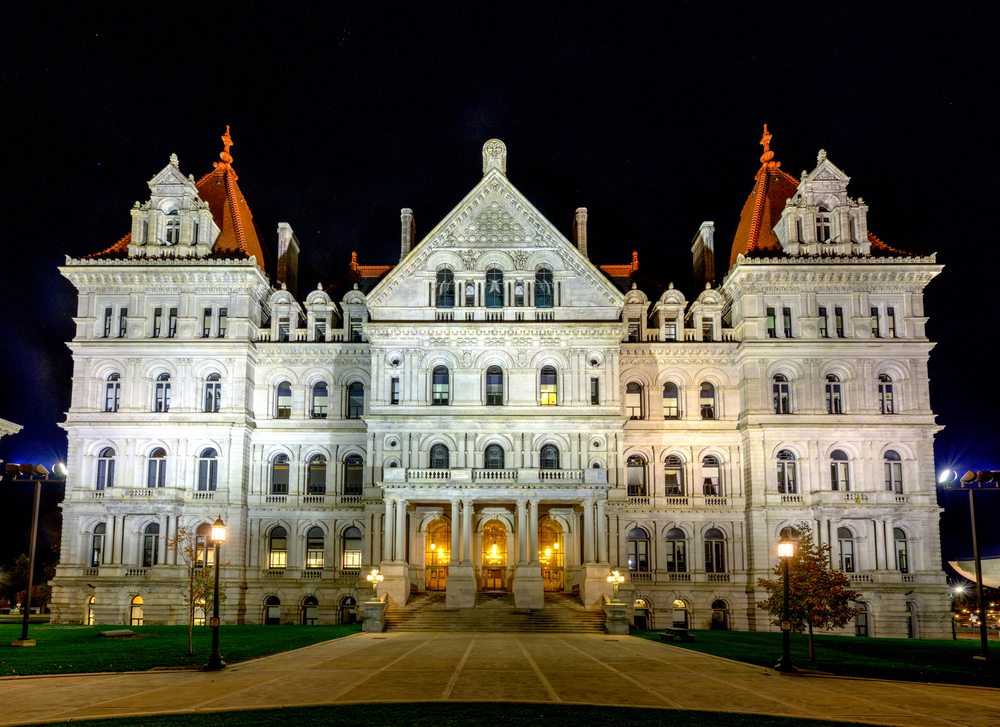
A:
(495, 414)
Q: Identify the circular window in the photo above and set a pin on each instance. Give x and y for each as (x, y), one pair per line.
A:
(596, 444)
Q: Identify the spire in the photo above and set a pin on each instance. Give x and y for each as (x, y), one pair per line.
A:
(224, 155)
(768, 155)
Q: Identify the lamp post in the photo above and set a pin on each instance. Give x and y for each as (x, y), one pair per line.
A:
(215, 661)
(786, 549)
(375, 577)
(615, 578)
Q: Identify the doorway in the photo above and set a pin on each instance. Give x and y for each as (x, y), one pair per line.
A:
(437, 555)
(550, 554)
(494, 556)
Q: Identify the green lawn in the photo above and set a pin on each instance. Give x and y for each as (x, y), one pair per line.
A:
(916, 660)
(74, 649)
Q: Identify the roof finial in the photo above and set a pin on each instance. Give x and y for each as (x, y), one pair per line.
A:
(495, 156)
(227, 143)
(768, 155)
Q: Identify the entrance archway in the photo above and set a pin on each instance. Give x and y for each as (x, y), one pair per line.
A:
(494, 556)
(272, 610)
(720, 615)
(310, 610)
(642, 614)
(348, 610)
(550, 554)
(680, 618)
(437, 554)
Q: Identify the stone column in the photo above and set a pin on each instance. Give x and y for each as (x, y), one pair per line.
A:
(455, 553)
(388, 524)
(602, 531)
(588, 531)
(522, 532)
(467, 533)
(401, 554)
(533, 531)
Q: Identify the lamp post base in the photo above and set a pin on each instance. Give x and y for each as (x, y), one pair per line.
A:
(785, 667)
(215, 663)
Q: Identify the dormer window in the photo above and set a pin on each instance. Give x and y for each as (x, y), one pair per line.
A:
(445, 288)
(519, 294)
(544, 290)
(470, 295)
(173, 228)
(824, 225)
(494, 288)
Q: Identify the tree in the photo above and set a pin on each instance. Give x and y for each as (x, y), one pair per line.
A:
(819, 596)
(196, 553)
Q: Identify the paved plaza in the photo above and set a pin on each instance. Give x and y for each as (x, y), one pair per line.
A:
(443, 667)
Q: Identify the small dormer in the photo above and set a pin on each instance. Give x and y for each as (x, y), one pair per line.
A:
(355, 307)
(286, 314)
(321, 315)
(668, 314)
(634, 314)
(175, 221)
(705, 315)
(821, 219)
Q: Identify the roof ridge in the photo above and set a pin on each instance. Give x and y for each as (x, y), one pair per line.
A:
(876, 242)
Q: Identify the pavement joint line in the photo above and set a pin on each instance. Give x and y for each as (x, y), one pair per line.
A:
(538, 672)
(446, 694)
(423, 642)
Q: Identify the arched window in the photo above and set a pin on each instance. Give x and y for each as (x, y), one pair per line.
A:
(638, 550)
(548, 458)
(161, 398)
(845, 541)
(673, 475)
(272, 611)
(671, 401)
(320, 400)
(445, 286)
(710, 474)
(354, 471)
(834, 397)
(676, 551)
(314, 547)
(283, 401)
(548, 387)
(544, 288)
(633, 400)
(893, 465)
(156, 469)
(88, 616)
(173, 227)
(902, 555)
(440, 459)
(861, 619)
(840, 476)
(150, 555)
(310, 610)
(352, 548)
(440, 386)
(316, 475)
(635, 470)
(204, 552)
(105, 468)
(493, 457)
(212, 400)
(208, 470)
(470, 295)
(97, 545)
(885, 397)
(707, 400)
(135, 611)
(715, 551)
(494, 288)
(279, 474)
(355, 400)
(720, 615)
(823, 225)
(277, 548)
(781, 394)
(788, 480)
(113, 392)
(494, 386)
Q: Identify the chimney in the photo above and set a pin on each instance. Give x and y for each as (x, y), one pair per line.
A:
(703, 254)
(406, 232)
(580, 230)
(288, 257)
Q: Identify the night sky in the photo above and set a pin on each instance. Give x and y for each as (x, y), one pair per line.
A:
(649, 116)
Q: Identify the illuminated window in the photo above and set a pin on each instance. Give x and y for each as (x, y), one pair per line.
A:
(893, 465)
(788, 483)
(710, 474)
(279, 475)
(671, 401)
(845, 541)
(316, 475)
(135, 611)
(715, 551)
(277, 548)
(283, 401)
(351, 541)
(633, 400)
(548, 388)
(105, 469)
(676, 551)
(204, 550)
(840, 477)
(707, 400)
(440, 386)
(635, 472)
(314, 548)
(673, 474)
(320, 400)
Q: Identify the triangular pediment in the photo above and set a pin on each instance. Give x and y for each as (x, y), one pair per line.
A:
(170, 181)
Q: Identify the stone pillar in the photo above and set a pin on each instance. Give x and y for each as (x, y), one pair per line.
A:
(387, 528)
(455, 551)
(588, 531)
(533, 531)
(467, 533)
(529, 591)
(602, 531)
(401, 555)
(522, 531)
(460, 592)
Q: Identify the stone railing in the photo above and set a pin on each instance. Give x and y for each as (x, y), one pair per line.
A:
(310, 574)
(719, 577)
(677, 501)
(273, 573)
(491, 475)
(136, 572)
(715, 501)
(791, 500)
(639, 500)
(684, 577)
(560, 475)
(414, 474)
(640, 576)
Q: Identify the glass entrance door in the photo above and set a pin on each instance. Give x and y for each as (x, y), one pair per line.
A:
(494, 571)
(437, 555)
(550, 555)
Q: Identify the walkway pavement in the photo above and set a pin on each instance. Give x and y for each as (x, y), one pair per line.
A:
(565, 668)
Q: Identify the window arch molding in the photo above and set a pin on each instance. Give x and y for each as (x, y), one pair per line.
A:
(201, 369)
(496, 259)
(675, 474)
(151, 369)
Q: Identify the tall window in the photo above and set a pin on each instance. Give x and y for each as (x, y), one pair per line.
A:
(780, 393)
(715, 551)
(635, 470)
(893, 465)
(109, 316)
(638, 550)
(470, 295)
(902, 559)
(354, 472)
(671, 401)
(676, 551)
(440, 386)
(823, 225)
(352, 548)
(707, 329)
(673, 475)
(113, 392)
(320, 400)
(223, 322)
(440, 459)
(824, 331)
(156, 469)
(204, 553)
(710, 471)
(161, 399)
(151, 545)
(838, 321)
(394, 390)
(316, 475)
(834, 398)
(788, 481)
(213, 393)
(886, 404)
(279, 474)
(283, 401)
(445, 285)
(772, 324)
(206, 323)
(173, 227)
(493, 458)
(122, 322)
(840, 479)
(544, 288)
(786, 318)
(494, 288)
(277, 548)
(494, 386)
(157, 321)
(845, 539)
(548, 388)
(105, 468)
(355, 400)
(135, 611)
(876, 331)
(548, 457)
(595, 391)
(97, 545)
(633, 400)
(314, 547)
(208, 470)
(172, 323)
(519, 294)
(890, 321)
(707, 400)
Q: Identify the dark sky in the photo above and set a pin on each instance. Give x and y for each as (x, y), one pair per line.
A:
(650, 116)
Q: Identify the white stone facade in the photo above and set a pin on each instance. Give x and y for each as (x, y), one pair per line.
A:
(496, 388)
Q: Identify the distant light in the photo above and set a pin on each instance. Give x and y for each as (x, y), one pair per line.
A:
(60, 469)
(947, 477)
(786, 549)
(959, 590)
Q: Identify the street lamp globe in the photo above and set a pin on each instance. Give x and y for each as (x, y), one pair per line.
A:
(219, 531)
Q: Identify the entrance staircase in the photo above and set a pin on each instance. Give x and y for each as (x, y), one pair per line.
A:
(495, 612)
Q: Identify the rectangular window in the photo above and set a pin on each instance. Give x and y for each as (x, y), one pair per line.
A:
(786, 314)
(284, 329)
(319, 331)
(394, 390)
(890, 320)
(670, 332)
(157, 321)
(357, 331)
(707, 330)
(823, 331)
(206, 323)
(109, 314)
(595, 391)
(172, 323)
(122, 322)
(223, 322)
(838, 320)
(772, 329)
(633, 330)
(194, 233)
(97, 552)
(876, 333)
